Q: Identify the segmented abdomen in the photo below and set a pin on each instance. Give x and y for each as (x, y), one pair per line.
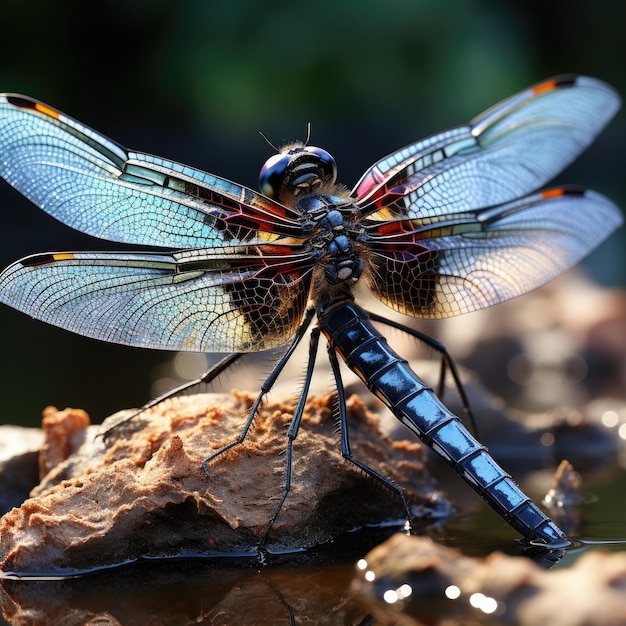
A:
(367, 353)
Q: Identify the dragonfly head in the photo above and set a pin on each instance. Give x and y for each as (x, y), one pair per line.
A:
(296, 170)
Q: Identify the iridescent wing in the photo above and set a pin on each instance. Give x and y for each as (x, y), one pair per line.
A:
(507, 152)
(242, 300)
(450, 229)
(96, 186)
(240, 283)
(485, 257)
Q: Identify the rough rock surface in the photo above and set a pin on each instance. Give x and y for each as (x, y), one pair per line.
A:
(413, 580)
(142, 492)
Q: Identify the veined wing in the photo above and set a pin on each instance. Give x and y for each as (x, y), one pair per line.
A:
(96, 186)
(510, 150)
(489, 256)
(241, 300)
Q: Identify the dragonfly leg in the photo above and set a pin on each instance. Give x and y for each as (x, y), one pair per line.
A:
(208, 376)
(292, 433)
(447, 364)
(265, 388)
(345, 441)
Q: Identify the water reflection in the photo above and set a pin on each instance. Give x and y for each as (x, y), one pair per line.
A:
(187, 593)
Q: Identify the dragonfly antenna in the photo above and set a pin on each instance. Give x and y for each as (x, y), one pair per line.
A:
(268, 141)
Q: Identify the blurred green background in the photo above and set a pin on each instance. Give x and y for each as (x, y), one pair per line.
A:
(196, 80)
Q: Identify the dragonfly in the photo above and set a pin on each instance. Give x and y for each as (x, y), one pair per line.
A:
(453, 223)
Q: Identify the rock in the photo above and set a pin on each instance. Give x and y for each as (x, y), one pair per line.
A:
(564, 500)
(413, 577)
(19, 451)
(143, 493)
(64, 432)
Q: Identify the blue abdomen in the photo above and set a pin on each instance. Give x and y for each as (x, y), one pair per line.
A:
(367, 353)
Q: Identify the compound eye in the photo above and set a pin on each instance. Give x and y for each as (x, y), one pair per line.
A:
(327, 164)
(272, 174)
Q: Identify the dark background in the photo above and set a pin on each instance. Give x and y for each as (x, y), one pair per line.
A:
(195, 81)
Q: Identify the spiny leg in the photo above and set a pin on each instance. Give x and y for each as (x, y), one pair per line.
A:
(294, 427)
(265, 388)
(345, 441)
(447, 363)
(208, 376)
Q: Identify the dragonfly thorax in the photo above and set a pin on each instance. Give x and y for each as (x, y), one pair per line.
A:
(334, 237)
(296, 176)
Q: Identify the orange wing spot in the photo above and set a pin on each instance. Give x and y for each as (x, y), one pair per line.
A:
(547, 85)
(270, 207)
(63, 256)
(46, 110)
(265, 236)
(392, 228)
(553, 193)
(276, 250)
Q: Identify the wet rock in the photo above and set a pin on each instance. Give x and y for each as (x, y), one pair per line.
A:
(564, 499)
(143, 493)
(565, 489)
(413, 578)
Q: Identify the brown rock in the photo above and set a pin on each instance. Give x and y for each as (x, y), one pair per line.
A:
(144, 493)
(59, 428)
(433, 584)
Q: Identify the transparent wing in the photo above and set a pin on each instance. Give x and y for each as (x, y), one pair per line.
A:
(94, 185)
(489, 256)
(247, 301)
(509, 151)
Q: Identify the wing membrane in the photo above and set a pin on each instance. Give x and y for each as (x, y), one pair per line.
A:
(94, 185)
(193, 300)
(509, 151)
(490, 256)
